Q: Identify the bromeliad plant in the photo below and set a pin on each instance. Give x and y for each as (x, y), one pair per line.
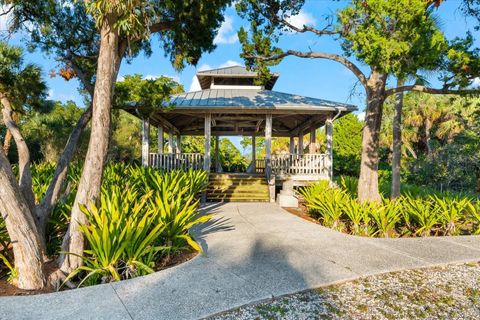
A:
(417, 212)
(144, 215)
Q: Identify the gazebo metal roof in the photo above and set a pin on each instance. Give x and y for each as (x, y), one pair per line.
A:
(241, 109)
(252, 99)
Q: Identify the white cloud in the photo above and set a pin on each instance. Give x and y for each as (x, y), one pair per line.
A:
(226, 33)
(229, 63)
(361, 116)
(50, 94)
(476, 82)
(4, 19)
(120, 78)
(153, 77)
(195, 85)
(303, 18)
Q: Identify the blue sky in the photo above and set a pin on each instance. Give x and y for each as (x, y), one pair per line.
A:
(316, 78)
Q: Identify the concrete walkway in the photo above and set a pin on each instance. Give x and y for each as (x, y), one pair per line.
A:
(253, 251)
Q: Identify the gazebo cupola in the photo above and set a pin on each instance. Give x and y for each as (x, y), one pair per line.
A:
(230, 103)
(235, 77)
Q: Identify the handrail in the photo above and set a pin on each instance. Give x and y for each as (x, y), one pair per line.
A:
(295, 164)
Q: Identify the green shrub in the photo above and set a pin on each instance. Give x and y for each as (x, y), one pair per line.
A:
(349, 184)
(419, 211)
(387, 217)
(122, 237)
(143, 215)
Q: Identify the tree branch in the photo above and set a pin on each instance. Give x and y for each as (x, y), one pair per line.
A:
(420, 88)
(305, 28)
(43, 211)
(25, 182)
(161, 26)
(83, 78)
(319, 55)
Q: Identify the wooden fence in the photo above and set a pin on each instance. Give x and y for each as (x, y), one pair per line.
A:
(174, 161)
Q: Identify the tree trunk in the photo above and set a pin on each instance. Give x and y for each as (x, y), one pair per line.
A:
(7, 142)
(43, 211)
(22, 230)
(23, 152)
(397, 142)
(368, 181)
(90, 183)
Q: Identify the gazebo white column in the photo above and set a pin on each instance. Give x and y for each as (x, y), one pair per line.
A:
(160, 140)
(291, 145)
(313, 143)
(300, 143)
(145, 141)
(208, 132)
(178, 144)
(329, 144)
(268, 157)
(170, 142)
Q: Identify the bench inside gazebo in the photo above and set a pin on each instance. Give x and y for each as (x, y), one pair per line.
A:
(231, 104)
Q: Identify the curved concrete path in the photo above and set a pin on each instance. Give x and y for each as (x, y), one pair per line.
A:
(253, 251)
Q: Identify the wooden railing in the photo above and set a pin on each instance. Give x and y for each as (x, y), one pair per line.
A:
(175, 161)
(295, 164)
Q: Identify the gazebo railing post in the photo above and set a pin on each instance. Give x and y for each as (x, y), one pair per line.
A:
(160, 140)
(292, 145)
(145, 141)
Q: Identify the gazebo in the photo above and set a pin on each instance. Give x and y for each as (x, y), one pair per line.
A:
(231, 104)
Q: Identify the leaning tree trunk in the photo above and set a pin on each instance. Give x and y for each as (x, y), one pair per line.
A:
(44, 210)
(22, 230)
(91, 179)
(368, 181)
(397, 142)
(23, 152)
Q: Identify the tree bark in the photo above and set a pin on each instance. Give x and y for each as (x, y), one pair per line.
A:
(368, 180)
(22, 230)
(397, 142)
(90, 182)
(43, 210)
(7, 142)
(23, 152)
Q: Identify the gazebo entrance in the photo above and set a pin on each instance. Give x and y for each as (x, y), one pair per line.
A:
(229, 104)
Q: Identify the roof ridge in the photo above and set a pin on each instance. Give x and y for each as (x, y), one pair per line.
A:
(223, 68)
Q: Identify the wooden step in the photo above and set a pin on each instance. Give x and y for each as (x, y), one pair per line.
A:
(238, 187)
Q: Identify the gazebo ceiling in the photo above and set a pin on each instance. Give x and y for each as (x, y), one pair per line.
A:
(241, 109)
